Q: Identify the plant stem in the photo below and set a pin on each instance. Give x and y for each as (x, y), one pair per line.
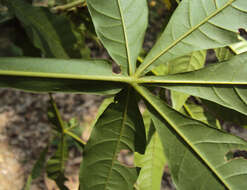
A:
(79, 3)
(58, 116)
(64, 131)
(75, 137)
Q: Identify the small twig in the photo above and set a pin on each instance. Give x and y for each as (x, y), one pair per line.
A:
(58, 116)
(61, 122)
(75, 137)
(60, 8)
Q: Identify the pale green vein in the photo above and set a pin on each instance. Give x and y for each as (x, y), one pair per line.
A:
(114, 157)
(147, 97)
(131, 71)
(143, 67)
(113, 78)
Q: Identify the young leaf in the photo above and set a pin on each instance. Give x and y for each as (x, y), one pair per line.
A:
(196, 153)
(50, 33)
(120, 25)
(56, 75)
(197, 25)
(224, 83)
(120, 127)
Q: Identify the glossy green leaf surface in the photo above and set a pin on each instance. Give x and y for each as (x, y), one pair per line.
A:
(51, 33)
(196, 153)
(120, 25)
(153, 162)
(198, 25)
(55, 75)
(224, 83)
(120, 127)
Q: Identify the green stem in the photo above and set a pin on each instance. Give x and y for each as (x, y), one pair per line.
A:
(59, 118)
(64, 131)
(69, 6)
(75, 137)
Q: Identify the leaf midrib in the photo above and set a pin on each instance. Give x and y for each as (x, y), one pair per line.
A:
(115, 78)
(114, 157)
(145, 96)
(131, 71)
(143, 67)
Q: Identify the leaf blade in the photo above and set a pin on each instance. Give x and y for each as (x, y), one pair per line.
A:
(188, 135)
(116, 24)
(153, 162)
(224, 83)
(115, 130)
(51, 33)
(205, 21)
(59, 75)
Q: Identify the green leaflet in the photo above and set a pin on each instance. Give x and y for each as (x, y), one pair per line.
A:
(224, 83)
(153, 162)
(197, 112)
(56, 75)
(196, 153)
(120, 127)
(197, 25)
(51, 33)
(120, 25)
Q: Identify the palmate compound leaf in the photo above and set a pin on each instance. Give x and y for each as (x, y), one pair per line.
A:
(59, 75)
(120, 25)
(198, 155)
(51, 33)
(198, 25)
(224, 83)
(120, 127)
